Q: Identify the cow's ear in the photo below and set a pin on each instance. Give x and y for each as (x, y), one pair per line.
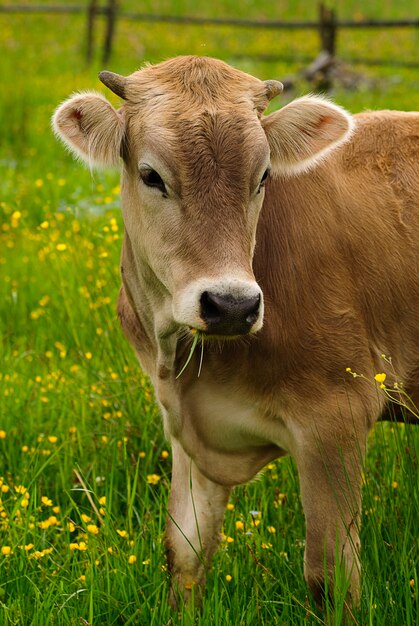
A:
(91, 128)
(303, 132)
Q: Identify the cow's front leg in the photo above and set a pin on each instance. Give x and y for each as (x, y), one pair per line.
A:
(330, 470)
(196, 511)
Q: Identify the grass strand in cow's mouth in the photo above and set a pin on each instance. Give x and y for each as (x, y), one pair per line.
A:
(197, 336)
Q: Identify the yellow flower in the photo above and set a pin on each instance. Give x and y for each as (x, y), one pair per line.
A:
(5, 488)
(2, 434)
(230, 540)
(82, 578)
(52, 439)
(153, 479)
(82, 546)
(102, 500)
(44, 301)
(394, 484)
(86, 518)
(88, 355)
(46, 501)
(110, 550)
(44, 524)
(71, 527)
(271, 529)
(36, 555)
(230, 506)
(229, 578)
(25, 501)
(132, 559)
(28, 547)
(39, 182)
(239, 525)
(6, 550)
(164, 454)
(380, 378)
(92, 528)
(61, 247)
(44, 224)
(122, 533)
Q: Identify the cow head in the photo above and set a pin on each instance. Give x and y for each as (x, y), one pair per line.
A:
(196, 153)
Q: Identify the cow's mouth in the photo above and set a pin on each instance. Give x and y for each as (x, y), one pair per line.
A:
(199, 340)
(205, 335)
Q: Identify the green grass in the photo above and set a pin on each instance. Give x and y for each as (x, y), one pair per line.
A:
(77, 418)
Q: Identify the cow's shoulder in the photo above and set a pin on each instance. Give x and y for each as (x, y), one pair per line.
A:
(384, 133)
(382, 157)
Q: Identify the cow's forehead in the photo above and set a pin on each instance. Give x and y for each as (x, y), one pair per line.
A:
(201, 149)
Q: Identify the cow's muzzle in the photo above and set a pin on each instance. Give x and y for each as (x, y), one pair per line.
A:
(225, 306)
(229, 315)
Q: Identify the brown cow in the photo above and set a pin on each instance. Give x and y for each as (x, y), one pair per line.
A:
(293, 236)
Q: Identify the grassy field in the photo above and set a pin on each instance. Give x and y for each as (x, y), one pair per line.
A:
(84, 468)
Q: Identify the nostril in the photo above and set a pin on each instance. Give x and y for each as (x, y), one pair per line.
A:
(253, 310)
(211, 307)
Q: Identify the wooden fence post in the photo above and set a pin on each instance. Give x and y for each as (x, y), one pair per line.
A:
(320, 70)
(111, 15)
(327, 27)
(91, 16)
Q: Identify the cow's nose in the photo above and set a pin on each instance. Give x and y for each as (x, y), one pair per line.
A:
(227, 314)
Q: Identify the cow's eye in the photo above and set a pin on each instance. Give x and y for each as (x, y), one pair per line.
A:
(263, 179)
(152, 179)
